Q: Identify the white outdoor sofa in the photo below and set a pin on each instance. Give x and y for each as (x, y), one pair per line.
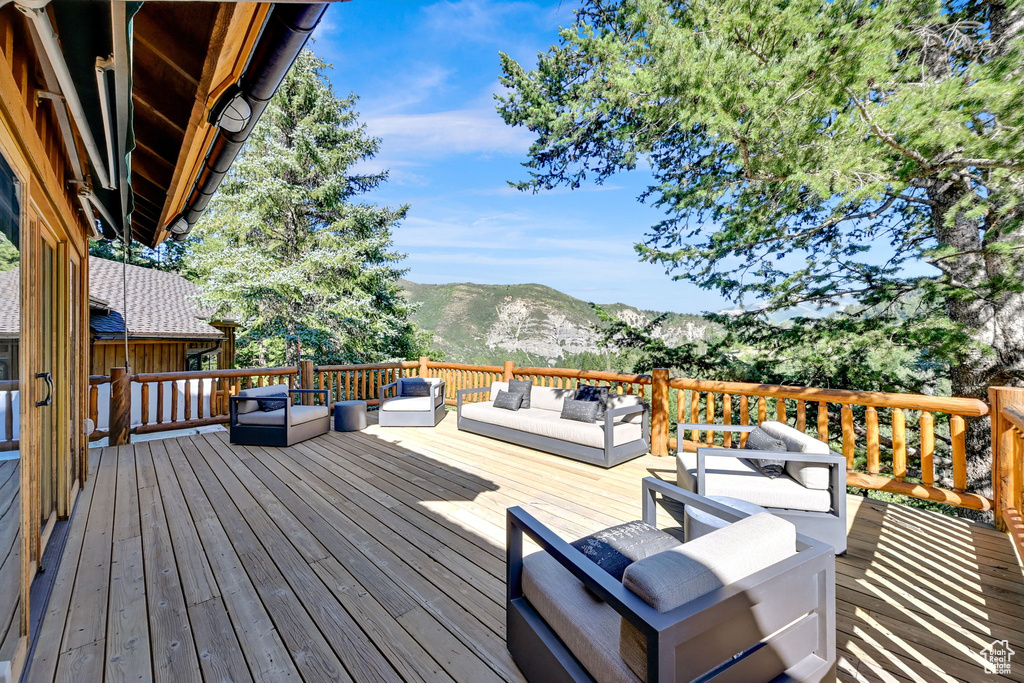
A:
(811, 492)
(405, 410)
(624, 433)
(751, 602)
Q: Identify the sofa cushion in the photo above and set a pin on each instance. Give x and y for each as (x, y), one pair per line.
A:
(735, 477)
(546, 423)
(759, 440)
(591, 392)
(507, 401)
(523, 387)
(617, 547)
(674, 577)
(813, 475)
(300, 415)
(551, 399)
(580, 411)
(407, 403)
(622, 400)
(269, 390)
(586, 625)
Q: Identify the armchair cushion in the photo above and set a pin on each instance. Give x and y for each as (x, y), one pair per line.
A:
(812, 475)
(275, 418)
(587, 626)
(675, 577)
(759, 440)
(407, 403)
(734, 476)
(524, 387)
(269, 390)
(617, 547)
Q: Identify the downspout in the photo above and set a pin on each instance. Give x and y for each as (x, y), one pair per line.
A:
(35, 10)
(284, 35)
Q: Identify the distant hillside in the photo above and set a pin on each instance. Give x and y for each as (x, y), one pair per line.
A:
(531, 324)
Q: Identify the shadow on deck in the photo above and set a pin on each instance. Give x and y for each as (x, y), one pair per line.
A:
(380, 556)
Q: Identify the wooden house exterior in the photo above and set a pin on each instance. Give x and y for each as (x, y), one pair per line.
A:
(109, 126)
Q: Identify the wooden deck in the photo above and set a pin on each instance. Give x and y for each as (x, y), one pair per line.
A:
(380, 556)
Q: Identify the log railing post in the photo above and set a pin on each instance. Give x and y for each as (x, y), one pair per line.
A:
(659, 411)
(120, 407)
(1002, 451)
(508, 370)
(424, 367)
(306, 380)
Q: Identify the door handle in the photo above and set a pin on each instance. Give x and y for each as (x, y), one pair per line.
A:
(48, 378)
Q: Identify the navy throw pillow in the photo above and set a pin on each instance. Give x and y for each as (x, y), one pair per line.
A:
(273, 402)
(416, 388)
(590, 392)
(521, 386)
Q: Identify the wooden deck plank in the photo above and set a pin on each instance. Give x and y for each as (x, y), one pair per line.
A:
(388, 545)
(127, 642)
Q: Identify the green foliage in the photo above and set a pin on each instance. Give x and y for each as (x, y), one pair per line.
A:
(808, 154)
(288, 250)
(10, 257)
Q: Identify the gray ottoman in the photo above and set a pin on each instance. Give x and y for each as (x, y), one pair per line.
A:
(349, 416)
(697, 523)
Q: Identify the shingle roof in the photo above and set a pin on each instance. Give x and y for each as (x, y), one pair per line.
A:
(160, 304)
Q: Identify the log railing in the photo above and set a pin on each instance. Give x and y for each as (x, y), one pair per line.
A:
(906, 444)
(1008, 465)
(892, 442)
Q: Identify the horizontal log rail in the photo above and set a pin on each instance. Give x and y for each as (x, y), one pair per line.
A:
(905, 444)
(889, 439)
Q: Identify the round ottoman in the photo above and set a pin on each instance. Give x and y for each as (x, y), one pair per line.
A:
(349, 416)
(697, 523)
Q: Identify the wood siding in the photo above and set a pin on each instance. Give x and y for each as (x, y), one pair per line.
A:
(144, 356)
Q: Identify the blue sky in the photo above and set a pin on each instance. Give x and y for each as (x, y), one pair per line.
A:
(426, 73)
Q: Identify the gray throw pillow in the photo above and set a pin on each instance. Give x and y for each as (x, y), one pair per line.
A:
(273, 402)
(416, 388)
(590, 392)
(759, 440)
(507, 401)
(580, 411)
(617, 547)
(521, 386)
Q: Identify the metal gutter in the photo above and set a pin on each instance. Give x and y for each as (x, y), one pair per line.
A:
(285, 33)
(35, 10)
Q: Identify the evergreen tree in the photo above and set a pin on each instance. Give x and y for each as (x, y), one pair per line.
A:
(288, 251)
(168, 256)
(812, 153)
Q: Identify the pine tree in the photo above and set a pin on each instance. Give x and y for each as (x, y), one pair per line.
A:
(812, 153)
(288, 250)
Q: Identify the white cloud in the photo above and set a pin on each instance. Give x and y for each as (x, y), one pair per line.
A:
(462, 131)
(473, 19)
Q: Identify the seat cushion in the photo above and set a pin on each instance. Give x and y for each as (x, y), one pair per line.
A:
(407, 404)
(547, 423)
(586, 625)
(275, 418)
(269, 390)
(735, 477)
(675, 577)
(813, 475)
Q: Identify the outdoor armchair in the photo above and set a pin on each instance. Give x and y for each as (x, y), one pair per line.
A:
(818, 511)
(250, 425)
(773, 619)
(403, 404)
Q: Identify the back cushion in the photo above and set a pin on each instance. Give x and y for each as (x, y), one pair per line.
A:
(496, 387)
(620, 400)
(675, 577)
(812, 475)
(269, 390)
(548, 398)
